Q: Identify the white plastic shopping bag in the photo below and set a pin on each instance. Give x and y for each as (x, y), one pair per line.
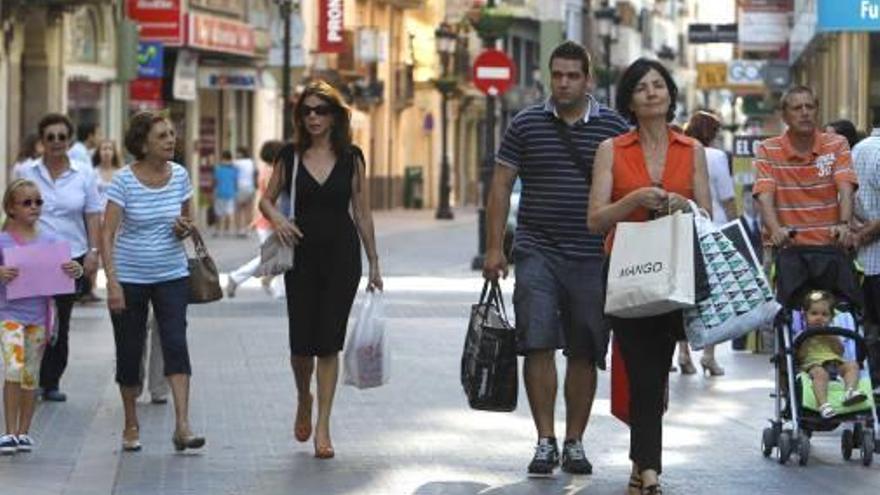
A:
(366, 355)
(651, 270)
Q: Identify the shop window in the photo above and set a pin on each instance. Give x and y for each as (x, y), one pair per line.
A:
(404, 87)
(84, 36)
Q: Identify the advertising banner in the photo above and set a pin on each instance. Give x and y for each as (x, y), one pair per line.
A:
(330, 26)
(158, 20)
(849, 15)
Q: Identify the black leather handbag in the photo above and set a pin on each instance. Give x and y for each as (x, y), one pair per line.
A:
(489, 369)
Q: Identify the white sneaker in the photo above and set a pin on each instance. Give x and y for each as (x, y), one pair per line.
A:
(230, 288)
(25, 443)
(853, 397)
(826, 411)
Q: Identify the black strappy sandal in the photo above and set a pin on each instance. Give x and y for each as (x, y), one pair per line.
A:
(635, 483)
(652, 490)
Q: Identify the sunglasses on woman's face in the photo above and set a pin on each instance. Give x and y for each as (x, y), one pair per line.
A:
(52, 137)
(31, 202)
(320, 110)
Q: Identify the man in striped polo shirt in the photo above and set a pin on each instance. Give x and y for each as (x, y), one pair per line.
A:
(805, 186)
(559, 291)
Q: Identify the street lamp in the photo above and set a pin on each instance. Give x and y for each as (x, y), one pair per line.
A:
(607, 21)
(285, 8)
(446, 40)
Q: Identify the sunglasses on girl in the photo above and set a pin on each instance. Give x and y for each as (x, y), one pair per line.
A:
(31, 202)
(320, 110)
(52, 137)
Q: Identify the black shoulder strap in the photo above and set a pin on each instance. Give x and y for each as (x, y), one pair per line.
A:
(579, 160)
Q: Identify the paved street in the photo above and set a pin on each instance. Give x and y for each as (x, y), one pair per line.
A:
(414, 436)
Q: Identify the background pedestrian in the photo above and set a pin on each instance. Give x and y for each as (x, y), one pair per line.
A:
(321, 287)
(72, 211)
(225, 191)
(148, 215)
(645, 173)
(246, 189)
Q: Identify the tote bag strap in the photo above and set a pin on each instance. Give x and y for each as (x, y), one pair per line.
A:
(293, 173)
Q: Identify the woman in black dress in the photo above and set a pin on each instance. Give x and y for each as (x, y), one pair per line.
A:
(331, 208)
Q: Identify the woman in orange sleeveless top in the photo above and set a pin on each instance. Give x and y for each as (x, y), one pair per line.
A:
(638, 176)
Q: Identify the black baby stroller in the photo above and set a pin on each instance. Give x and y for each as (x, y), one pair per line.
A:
(798, 270)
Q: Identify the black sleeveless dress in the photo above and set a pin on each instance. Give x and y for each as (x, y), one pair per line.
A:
(327, 268)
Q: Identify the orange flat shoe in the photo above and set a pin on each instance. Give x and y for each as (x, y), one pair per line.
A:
(302, 427)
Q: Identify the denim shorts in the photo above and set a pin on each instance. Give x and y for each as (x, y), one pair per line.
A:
(559, 304)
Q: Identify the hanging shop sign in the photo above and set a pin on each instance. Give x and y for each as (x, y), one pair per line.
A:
(241, 78)
(145, 94)
(150, 55)
(713, 33)
(158, 20)
(711, 75)
(849, 15)
(330, 26)
(185, 76)
(220, 35)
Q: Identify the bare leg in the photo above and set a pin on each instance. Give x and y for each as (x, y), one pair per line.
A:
(650, 478)
(303, 366)
(580, 389)
(850, 372)
(635, 481)
(11, 405)
(820, 384)
(328, 373)
(180, 392)
(26, 410)
(540, 378)
(129, 397)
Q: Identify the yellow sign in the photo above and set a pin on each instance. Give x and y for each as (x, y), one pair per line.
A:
(711, 75)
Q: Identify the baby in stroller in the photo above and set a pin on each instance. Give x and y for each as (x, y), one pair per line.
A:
(822, 356)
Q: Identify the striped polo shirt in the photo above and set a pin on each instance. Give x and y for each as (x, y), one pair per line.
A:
(804, 186)
(553, 206)
(147, 251)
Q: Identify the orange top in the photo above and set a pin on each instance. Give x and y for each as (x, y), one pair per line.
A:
(630, 172)
(263, 176)
(805, 185)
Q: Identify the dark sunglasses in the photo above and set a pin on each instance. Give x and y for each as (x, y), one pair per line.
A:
(52, 137)
(31, 202)
(320, 110)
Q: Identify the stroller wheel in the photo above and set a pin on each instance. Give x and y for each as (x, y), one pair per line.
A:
(867, 447)
(785, 447)
(768, 441)
(846, 444)
(804, 449)
(858, 430)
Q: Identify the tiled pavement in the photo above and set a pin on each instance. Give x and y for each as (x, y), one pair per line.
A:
(413, 436)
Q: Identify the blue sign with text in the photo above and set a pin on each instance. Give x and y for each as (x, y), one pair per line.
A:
(848, 15)
(149, 57)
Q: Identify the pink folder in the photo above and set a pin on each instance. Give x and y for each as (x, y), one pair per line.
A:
(39, 270)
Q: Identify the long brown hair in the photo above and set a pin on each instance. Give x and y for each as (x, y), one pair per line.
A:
(340, 130)
(703, 127)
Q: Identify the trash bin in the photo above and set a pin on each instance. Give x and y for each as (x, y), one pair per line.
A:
(413, 187)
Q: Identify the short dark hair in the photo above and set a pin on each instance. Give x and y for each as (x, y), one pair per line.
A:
(571, 50)
(846, 129)
(226, 155)
(800, 88)
(630, 78)
(875, 122)
(138, 130)
(703, 126)
(243, 151)
(84, 130)
(51, 119)
(269, 150)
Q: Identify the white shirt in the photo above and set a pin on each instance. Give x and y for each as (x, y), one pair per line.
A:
(67, 200)
(720, 183)
(246, 170)
(78, 152)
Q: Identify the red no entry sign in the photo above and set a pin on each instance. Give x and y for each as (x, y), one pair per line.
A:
(494, 72)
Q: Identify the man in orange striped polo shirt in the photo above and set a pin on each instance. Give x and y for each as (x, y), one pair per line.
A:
(805, 181)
